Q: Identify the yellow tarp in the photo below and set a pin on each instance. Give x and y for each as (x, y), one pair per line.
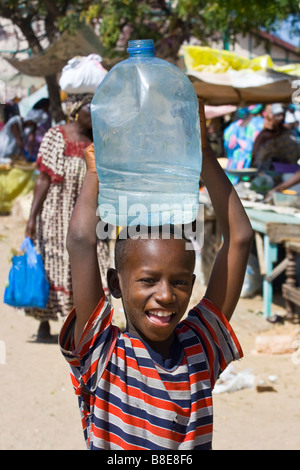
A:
(206, 59)
(13, 183)
(292, 69)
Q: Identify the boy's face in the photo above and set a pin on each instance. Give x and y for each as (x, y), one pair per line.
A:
(156, 284)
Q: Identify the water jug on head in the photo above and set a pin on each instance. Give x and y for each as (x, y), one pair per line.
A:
(147, 141)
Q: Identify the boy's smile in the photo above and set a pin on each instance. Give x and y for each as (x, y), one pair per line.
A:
(155, 285)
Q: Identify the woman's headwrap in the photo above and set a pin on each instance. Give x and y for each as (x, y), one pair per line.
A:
(255, 108)
(77, 101)
(243, 113)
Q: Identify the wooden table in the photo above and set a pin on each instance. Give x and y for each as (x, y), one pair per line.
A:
(290, 291)
(271, 228)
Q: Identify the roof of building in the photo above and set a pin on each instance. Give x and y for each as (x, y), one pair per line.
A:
(276, 40)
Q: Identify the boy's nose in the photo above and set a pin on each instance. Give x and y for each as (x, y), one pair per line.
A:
(164, 293)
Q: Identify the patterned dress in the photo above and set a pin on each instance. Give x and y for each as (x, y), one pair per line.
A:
(63, 161)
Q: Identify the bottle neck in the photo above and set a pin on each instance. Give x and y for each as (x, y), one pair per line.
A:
(141, 48)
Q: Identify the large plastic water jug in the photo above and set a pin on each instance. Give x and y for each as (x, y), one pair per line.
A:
(147, 141)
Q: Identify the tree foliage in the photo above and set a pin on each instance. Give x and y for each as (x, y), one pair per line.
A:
(168, 22)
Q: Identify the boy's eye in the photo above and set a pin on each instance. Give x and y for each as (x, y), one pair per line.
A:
(147, 280)
(180, 283)
(151, 281)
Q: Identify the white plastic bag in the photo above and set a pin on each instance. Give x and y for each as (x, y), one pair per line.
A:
(253, 279)
(82, 74)
(230, 380)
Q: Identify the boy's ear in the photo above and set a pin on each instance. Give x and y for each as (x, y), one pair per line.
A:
(113, 283)
(193, 283)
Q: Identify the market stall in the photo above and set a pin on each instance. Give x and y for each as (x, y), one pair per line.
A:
(273, 225)
(224, 78)
(51, 61)
(15, 181)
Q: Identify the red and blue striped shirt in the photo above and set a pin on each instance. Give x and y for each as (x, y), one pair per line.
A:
(130, 400)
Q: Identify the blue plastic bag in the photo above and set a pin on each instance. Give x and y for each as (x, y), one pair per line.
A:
(28, 285)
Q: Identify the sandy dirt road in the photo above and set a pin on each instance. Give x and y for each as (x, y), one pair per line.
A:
(39, 410)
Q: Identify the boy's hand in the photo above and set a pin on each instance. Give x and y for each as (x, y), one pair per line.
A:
(89, 156)
(202, 124)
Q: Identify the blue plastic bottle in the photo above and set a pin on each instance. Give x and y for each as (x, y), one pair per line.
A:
(147, 141)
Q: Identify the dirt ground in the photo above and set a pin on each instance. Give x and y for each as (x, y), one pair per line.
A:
(39, 410)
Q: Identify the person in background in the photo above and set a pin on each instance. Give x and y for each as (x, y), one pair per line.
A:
(13, 136)
(239, 138)
(293, 180)
(275, 143)
(11, 108)
(215, 136)
(62, 169)
(41, 115)
(292, 123)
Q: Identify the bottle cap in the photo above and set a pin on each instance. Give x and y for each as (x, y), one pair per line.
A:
(140, 46)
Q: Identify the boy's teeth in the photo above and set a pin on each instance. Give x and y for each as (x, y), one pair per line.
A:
(161, 313)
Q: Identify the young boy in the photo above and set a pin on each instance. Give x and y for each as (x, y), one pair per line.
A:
(150, 387)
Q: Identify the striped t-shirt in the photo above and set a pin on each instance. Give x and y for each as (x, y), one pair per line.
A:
(130, 400)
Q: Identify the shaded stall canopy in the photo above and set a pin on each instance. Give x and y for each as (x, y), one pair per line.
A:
(51, 61)
(223, 78)
(242, 88)
(27, 103)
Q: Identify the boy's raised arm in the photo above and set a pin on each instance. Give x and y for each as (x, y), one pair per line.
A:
(227, 276)
(82, 248)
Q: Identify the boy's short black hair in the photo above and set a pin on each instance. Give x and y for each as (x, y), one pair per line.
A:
(142, 232)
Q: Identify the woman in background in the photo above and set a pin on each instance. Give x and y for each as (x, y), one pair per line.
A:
(62, 169)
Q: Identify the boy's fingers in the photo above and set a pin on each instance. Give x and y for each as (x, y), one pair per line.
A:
(89, 156)
(89, 152)
(202, 121)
